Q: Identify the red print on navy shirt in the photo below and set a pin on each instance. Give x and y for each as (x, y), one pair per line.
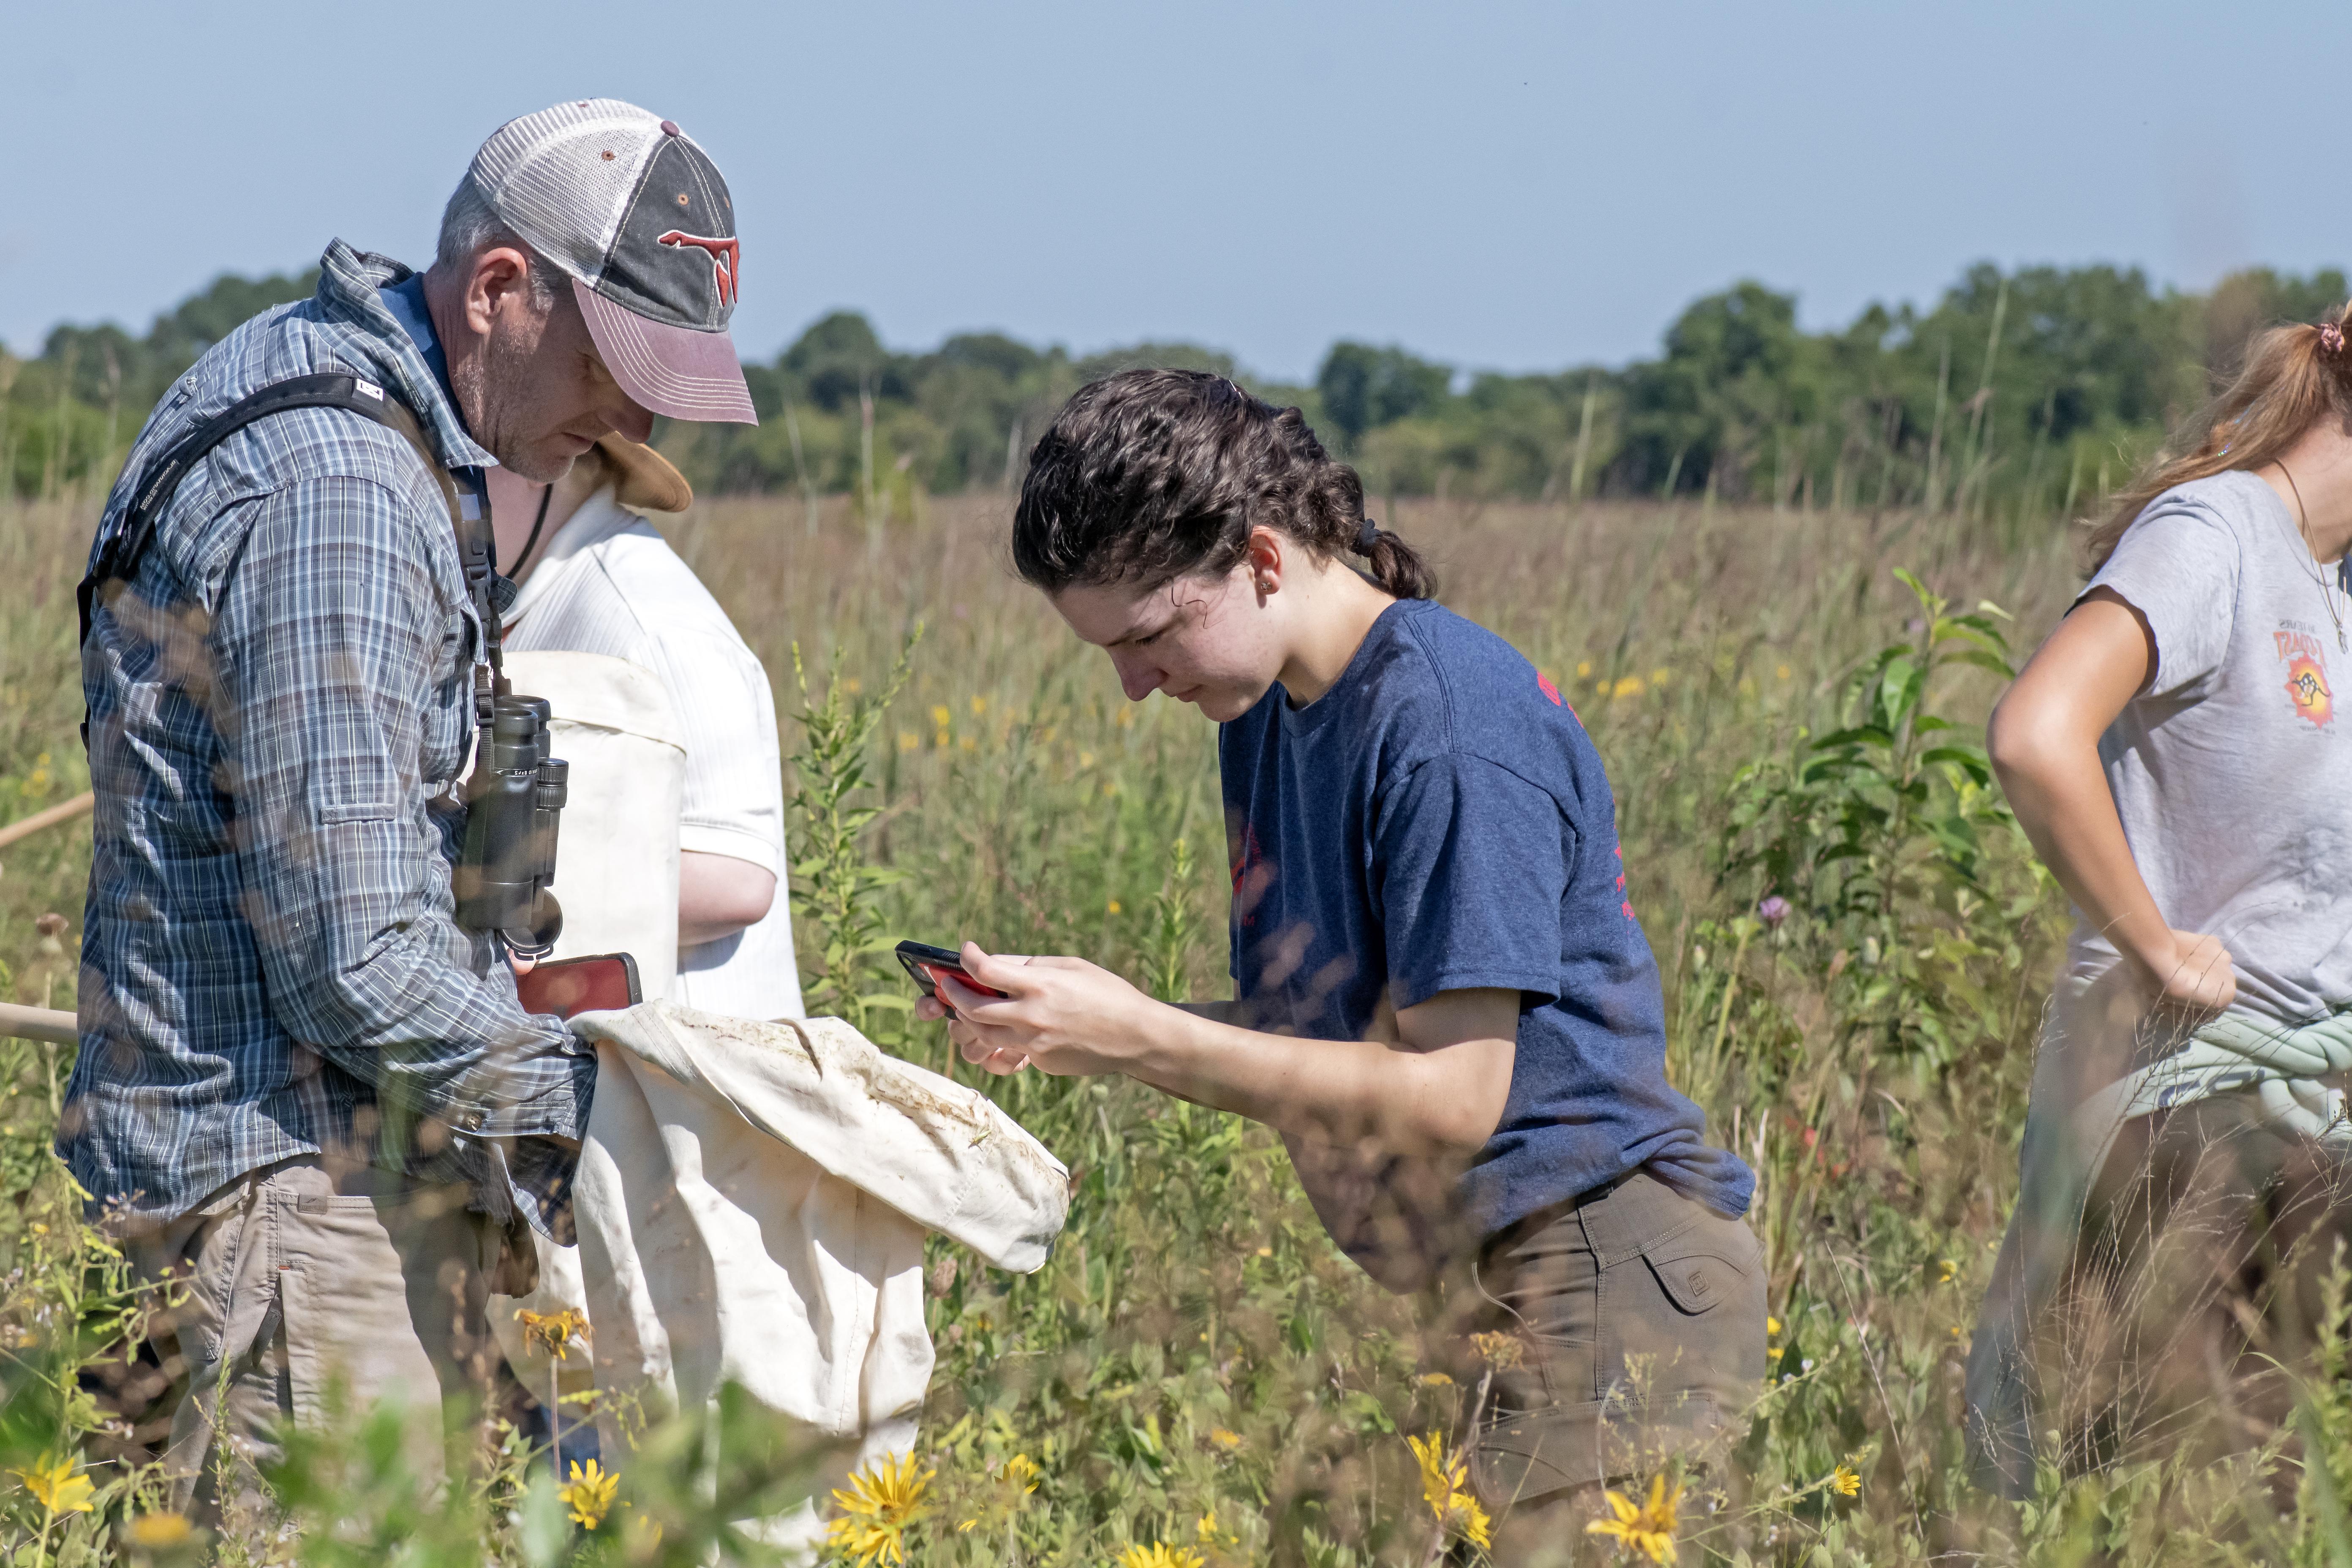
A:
(1248, 858)
(1544, 684)
(1625, 907)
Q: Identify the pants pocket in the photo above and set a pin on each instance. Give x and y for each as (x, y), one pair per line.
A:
(1686, 1316)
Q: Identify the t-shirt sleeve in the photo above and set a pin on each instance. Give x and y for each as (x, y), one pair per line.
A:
(1471, 862)
(2179, 565)
(733, 801)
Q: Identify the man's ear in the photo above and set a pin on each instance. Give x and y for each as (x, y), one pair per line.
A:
(501, 279)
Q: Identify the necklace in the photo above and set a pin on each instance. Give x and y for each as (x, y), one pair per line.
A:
(2303, 531)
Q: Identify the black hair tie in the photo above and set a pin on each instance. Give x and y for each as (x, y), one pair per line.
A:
(1368, 536)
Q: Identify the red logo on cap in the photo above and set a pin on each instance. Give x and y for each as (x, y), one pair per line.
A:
(726, 257)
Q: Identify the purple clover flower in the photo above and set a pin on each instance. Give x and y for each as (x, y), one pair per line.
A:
(1773, 910)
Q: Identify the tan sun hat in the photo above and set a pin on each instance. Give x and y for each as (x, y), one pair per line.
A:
(644, 480)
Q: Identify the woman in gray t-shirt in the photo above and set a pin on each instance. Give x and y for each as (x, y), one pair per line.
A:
(2172, 752)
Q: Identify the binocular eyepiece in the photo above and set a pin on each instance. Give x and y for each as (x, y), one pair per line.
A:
(512, 802)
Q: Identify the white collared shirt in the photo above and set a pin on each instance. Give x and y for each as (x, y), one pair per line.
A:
(610, 583)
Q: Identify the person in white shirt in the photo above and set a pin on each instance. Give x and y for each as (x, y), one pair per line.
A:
(595, 577)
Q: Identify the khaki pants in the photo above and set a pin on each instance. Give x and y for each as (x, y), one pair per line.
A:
(1639, 1318)
(302, 1287)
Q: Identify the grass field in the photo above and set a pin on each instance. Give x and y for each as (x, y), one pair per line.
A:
(1197, 1370)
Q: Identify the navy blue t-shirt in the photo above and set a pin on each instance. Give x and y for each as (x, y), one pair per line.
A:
(1438, 821)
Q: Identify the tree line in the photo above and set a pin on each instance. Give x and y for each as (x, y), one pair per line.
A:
(2018, 393)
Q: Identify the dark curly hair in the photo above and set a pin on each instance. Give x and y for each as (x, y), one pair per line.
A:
(1151, 475)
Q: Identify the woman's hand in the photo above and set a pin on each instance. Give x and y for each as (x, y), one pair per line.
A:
(2190, 975)
(1062, 1015)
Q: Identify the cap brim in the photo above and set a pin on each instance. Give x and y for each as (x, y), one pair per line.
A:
(671, 370)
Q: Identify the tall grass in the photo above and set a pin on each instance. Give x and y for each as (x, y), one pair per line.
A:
(1197, 1367)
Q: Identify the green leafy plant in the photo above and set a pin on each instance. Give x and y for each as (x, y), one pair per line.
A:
(836, 888)
(1880, 836)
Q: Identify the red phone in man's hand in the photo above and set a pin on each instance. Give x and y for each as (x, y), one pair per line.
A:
(602, 984)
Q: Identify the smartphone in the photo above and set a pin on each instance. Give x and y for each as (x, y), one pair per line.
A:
(569, 985)
(925, 963)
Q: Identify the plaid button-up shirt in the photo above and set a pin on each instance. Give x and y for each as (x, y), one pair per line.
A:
(280, 710)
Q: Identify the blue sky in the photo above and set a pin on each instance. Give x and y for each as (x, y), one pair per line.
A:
(1503, 185)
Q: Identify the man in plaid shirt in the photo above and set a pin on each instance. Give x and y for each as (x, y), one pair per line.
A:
(302, 1088)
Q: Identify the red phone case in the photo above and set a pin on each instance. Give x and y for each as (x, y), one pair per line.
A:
(597, 984)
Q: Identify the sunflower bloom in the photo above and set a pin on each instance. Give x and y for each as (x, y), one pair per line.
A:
(56, 1486)
(1450, 1501)
(881, 1502)
(1159, 1554)
(590, 1495)
(1847, 1481)
(1649, 1528)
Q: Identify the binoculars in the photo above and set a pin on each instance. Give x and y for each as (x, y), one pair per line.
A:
(512, 802)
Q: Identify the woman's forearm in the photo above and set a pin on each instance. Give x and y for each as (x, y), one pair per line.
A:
(2061, 797)
(1342, 1093)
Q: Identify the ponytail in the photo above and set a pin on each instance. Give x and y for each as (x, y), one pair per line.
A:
(1396, 566)
(1151, 475)
(2294, 376)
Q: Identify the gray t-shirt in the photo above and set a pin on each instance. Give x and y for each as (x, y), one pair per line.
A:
(2234, 796)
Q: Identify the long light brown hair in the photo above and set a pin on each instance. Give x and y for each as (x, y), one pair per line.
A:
(2294, 376)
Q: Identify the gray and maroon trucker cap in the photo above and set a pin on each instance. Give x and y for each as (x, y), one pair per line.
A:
(625, 203)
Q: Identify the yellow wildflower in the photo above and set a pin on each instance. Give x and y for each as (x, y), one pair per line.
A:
(159, 1529)
(908, 740)
(1649, 1528)
(1781, 670)
(1228, 1441)
(941, 715)
(56, 1485)
(1211, 1535)
(552, 1331)
(881, 1502)
(1661, 676)
(1450, 1502)
(1435, 1380)
(1499, 1350)
(1015, 1480)
(979, 706)
(1159, 1554)
(1847, 1481)
(1946, 1270)
(1583, 666)
(1113, 907)
(590, 1495)
(1630, 686)
(1773, 1325)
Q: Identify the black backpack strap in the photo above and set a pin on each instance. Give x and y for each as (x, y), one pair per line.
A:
(119, 549)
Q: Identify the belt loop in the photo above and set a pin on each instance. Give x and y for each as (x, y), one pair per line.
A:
(1605, 1231)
